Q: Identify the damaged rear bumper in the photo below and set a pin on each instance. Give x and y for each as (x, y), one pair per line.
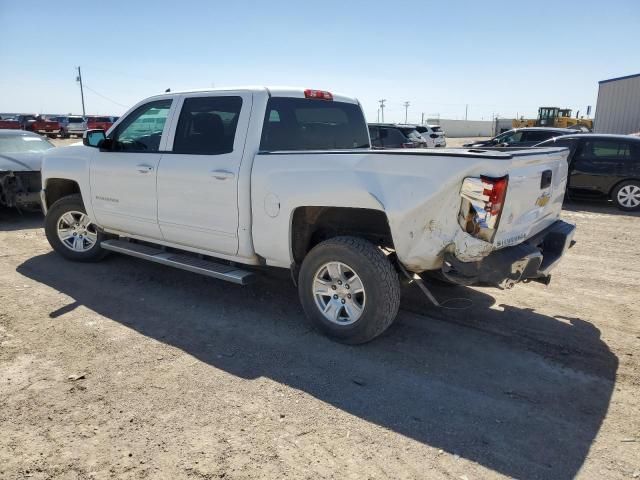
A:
(531, 260)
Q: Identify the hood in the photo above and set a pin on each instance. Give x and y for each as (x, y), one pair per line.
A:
(21, 162)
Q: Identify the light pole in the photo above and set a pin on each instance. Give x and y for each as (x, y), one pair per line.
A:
(381, 102)
(79, 79)
(406, 111)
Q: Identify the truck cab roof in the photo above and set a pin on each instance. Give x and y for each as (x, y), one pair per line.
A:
(273, 91)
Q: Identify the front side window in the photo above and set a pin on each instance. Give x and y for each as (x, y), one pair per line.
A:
(142, 130)
(207, 125)
(311, 124)
(509, 137)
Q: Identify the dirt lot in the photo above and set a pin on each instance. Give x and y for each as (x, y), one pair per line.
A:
(126, 369)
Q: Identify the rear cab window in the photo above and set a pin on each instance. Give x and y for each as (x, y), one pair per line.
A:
(313, 124)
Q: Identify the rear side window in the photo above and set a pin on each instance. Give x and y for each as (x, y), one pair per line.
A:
(606, 149)
(207, 125)
(537, 136)
(309, 124)
(392, 137)
(413, 134)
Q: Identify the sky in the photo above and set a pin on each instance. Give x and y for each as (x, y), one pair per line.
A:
(444, 57)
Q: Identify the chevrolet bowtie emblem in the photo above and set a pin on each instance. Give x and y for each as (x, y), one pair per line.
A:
(543, 199)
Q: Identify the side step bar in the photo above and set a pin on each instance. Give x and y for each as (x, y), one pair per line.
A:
(177, 260)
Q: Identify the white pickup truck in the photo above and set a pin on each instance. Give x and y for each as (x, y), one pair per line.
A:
(220, 181)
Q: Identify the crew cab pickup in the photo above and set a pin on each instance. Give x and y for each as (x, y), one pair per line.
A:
(221, 181)
(38, 124)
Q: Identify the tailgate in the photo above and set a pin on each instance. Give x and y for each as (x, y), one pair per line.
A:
(537, 183)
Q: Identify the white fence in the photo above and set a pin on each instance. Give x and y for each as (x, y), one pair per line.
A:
(465, 128)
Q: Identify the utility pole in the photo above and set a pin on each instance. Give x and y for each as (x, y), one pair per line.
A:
(381, 102)
(378, 116)
(466, 111)
(79, 79)
(406, 110)
(422, 121)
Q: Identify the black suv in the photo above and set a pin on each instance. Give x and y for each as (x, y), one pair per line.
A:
(521, 137)
(389, 135)
(603, 166)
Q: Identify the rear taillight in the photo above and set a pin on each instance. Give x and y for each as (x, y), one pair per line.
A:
(495, 189)
(318, 94)
(481, 206)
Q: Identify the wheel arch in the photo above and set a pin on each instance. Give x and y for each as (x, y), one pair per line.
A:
(57, 188)
(618, 182)
(311, 225)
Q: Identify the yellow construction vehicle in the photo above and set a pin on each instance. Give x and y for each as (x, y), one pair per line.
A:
(553, 117)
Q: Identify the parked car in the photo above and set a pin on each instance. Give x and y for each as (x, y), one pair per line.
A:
(521, 137)
(20, 161)
(227, 180)
(603, 166)
(389, 135)
(433, 134)
(97, 122)
(71, 125)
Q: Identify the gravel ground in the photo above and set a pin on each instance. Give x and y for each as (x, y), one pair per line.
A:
(127, 369)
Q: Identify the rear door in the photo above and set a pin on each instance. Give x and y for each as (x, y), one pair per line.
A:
(599, 164)
(198, 178)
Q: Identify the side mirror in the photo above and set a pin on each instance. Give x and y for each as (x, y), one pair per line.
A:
(93, 138)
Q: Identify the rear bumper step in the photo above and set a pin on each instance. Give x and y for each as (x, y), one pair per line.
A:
(182, 261)
(532, 260)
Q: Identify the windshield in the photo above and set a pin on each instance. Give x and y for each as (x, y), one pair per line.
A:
(75, 120)
(23, 144)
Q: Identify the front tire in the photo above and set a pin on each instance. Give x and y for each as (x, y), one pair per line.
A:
(71, 233)
(626, 196)
(349, 289)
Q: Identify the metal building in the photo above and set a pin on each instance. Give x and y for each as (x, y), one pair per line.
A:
(618, 107)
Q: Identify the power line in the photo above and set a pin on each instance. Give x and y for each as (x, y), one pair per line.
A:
(105, 97)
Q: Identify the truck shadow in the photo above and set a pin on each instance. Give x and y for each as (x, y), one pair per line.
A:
(518, 392)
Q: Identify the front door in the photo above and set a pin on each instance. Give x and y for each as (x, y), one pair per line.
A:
(123, 178)
(198, 178)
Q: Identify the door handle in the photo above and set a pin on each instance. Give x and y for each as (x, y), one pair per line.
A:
(222, 174)
(142, 168)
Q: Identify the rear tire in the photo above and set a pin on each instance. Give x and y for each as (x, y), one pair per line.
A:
(349, 289)
(626, 196)
(71, 233)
